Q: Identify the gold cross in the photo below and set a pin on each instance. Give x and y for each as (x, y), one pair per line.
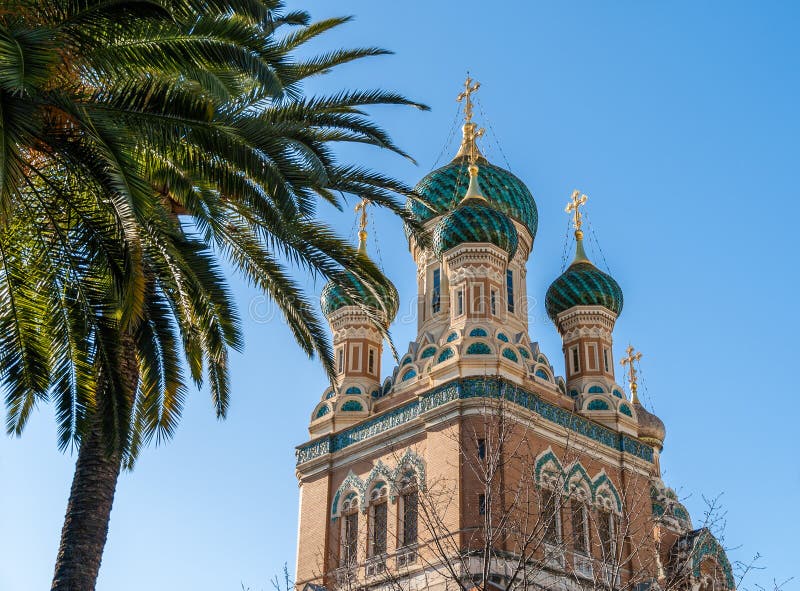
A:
(629, 361)
(469, 88)
(362, 225)
(573, 207)
(471, 133)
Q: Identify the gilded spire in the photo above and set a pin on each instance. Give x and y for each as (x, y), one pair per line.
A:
(630, 360)
(577, 200)
(470, 131)
(362, 225)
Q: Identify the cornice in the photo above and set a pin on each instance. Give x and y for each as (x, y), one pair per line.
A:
(472, 388)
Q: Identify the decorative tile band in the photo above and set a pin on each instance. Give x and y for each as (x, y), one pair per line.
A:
(463, 389)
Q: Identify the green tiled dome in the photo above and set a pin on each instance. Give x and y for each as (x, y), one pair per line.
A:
(334, 297)
(582, 284)
(442, 189)
(475, 222)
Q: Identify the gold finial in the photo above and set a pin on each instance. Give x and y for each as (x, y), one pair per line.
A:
(573, 207)
(629, 361)
(362, 225)
(470, 131)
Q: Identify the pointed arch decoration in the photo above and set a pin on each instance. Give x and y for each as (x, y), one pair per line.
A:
(705, 546)
(379, 473)
(604, 492)
(350, 483)
(578, 479)
(547, 469)
(600, 490)
(410, 462)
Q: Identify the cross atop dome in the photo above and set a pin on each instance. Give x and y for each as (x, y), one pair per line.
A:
(362, 225)
(469, 146)
(630, 360)
(582, 284)
(470, 131)
(576, 201)
(470, 86)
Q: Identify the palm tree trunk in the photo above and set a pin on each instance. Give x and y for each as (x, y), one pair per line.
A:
(88, 512)
(91, 497)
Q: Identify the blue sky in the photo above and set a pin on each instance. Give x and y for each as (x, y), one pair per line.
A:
(680, 122)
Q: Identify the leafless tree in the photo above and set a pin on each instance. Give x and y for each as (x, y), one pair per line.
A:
(526, 525)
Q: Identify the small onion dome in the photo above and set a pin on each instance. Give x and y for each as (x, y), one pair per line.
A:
(582, 284)
(439, 191)
(475, 220)
(651, 428)
(333, 297)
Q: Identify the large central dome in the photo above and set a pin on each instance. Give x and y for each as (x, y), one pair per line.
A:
(441, 190)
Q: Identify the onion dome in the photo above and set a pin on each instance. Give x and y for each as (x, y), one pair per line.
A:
(335, 296)
(475, 220)
(440, 190)
(651, 429)
(582, 284)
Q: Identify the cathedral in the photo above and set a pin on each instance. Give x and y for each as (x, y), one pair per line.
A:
(472, 464)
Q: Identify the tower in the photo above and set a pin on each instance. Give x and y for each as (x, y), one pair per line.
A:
(584, 303)
(357, 346)
(472, 463)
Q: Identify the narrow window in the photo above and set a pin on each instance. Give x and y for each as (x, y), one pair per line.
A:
(591, 353)
(575, 358)
(579, 526)
(605, 528)
(549, 513)
(340, 359)
(605, 360)
(350, 539)
(493, 302)
(460, 302)
(355, 358)
(510, 289)
(482, 449)
(410, 516)
(371, 361)
(477, 298)
(481, 504)
(378, 542)
(437, 291)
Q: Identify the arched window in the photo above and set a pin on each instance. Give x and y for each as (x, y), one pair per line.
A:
(409, 511)
(606, 528)
(378, 519)
(550, 511)
(580, 529)
(349, 553)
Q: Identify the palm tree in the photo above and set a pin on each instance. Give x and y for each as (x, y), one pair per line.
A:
(141, 141)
